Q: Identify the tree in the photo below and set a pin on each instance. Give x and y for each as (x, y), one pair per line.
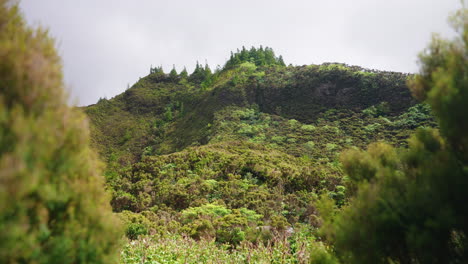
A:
(198, 74)
(173, 74)
(184, 74)
(207, 78)
(259, 57)
(208, 72)
(168, 114)
(158, 70)
(441, 81)
(53, 206)
(281, 61)
(410, 205)
(201, 75)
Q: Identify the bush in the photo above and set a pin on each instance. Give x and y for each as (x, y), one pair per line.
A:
(135, 224)
(321, 254)
(278, 139)
(415, 116)
(247, 130)
(377, 110)
(330, 146)
(53, 207)
(309, 145)
(216, 221)
(135, 229)
(409, 206)
(293, 123)
(308, 128)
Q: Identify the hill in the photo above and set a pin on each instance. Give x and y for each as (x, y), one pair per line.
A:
(254, 144)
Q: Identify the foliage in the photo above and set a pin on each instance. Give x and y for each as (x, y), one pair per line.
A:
(53, 207)
(157, 70)
(258, 57)
(254, 138)
(215, 221)
(184, 74)
(377, 110)
(442, 80)
(276, 170)
(409, 205)
(298, 248)
(125, 125)
(226, 187)
(236, 165)
(173, 74)
(418, 115)
(136, 224)
(201, 75)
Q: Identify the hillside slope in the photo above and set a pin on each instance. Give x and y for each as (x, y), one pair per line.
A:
(169, 114)
(253, 144)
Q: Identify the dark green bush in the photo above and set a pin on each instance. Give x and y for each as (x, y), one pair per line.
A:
(136, 229)
(409, 205)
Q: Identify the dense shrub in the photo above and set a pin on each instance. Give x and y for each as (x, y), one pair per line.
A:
(53, 207)
(409, 205)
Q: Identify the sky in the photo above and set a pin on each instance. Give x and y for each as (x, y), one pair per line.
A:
(107, 45)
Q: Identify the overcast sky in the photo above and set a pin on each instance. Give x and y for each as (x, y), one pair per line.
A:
(107, 44)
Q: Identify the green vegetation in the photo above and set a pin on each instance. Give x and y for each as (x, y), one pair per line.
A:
(408, 205)
(236, 180)
(179, 249)
(169, 115)
(245, 155)
(256, 162)
(53, 207)
(258, 57)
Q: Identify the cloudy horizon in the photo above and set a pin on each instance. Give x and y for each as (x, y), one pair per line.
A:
(107, 45)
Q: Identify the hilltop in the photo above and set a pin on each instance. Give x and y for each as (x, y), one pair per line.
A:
(219, 154)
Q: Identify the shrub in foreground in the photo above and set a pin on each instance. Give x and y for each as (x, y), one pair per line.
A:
(53, 207)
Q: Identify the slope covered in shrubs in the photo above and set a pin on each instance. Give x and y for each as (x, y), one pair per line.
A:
(161, 114)
(243, 154)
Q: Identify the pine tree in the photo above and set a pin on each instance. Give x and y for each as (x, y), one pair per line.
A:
(259, 57)
(198, 75)
(158, 70)
(207, 77)
(207, 70)
(184, 73)
(244, 56)
(173, 74)
(281, 61)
